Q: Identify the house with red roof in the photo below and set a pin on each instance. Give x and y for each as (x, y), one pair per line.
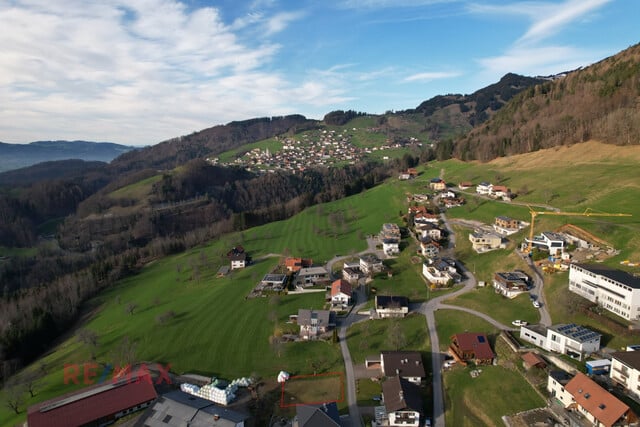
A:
(341, 294)
(100, 404)
(471, 347)
(295, 264)
(584, 396)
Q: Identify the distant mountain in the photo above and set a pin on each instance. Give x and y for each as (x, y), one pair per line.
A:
(596, 102)
(455, 114)
(45, 171)
(15, 156)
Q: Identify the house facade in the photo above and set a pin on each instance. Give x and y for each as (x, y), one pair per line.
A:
(390, 246)
(484, 188)
(351, 275)
(341, 293)
(511, 283)
(625, 371)
(573, 340)
(437, 184)
(391, 306)
(585, 397)
(482, 241)
(548, 241)
(311, 276)
(402, 403)
(314, 323)
(429, 247)
(238, 261)
(615, 290)
(370, 264)
(295, 264)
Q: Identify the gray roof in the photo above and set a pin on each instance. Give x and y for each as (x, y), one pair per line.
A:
(403, 363)
(400, 394)
(310, 271)
(613, 274)
(575, 332)
(629, 358)
(325, 415)
(323, 316)
(180, 409)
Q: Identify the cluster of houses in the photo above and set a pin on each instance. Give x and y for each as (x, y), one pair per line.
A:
(494, 191)
(427, 230)
(315, 148)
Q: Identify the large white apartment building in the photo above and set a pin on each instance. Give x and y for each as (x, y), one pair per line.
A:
(614, 290)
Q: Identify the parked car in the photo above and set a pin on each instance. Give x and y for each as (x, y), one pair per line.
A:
(519, 323)
(427, 422)
(537, 304)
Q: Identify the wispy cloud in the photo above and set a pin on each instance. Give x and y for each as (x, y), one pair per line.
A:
(137, 71)
(531, 53)
(383, 4)
(430, 76)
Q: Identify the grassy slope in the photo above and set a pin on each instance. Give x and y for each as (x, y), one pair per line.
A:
(217, 332)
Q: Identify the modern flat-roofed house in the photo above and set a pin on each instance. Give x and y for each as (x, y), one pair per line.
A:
(471, 347)
(573, 340)
(511, 283)
(405, 364)
(625, 370)
(402, 402)
(615, 290)
(483, 241)
(390, 246)
(351, 275)
(314, 323)
(274, 282)
(589, 400)
(506, 225)
(391, 306)
(311, 276)
(370, 264)
(548, 241)
(179, 409)
(100, 404)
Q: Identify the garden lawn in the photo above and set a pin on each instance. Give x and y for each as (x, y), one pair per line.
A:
(502, 309)
(370, 337)
(483, 400)
(450, 322)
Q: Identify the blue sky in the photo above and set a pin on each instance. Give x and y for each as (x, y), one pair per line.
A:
(142, 71)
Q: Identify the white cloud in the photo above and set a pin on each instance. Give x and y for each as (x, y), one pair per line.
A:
(382, 4)
(134, 71)
(430, 76)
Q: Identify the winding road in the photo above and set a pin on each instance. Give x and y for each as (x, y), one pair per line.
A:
(427, 309)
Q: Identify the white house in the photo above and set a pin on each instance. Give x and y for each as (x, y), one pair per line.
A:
(550, 242)
(390, 246)
(238, 261)
(370, 264)
(402, 402)
(435, 276)
(625, 370)
(391, 306)
(429, 230)
(588, 399)
(341, 293)
(614, 290)
(484, 188)
(573, 340)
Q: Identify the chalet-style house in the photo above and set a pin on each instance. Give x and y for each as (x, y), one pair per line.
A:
(625, 371)
(100, 404)
(370, 264)
(482, 241)
(311, 276)
(405, 364)
(295, 264)
(471, 347)
(324, 415)
(314, 323)
(341, 294)
(425, 218)
(506, 225)
(437, 184)
(391, 306)
(402, 403)
(501, 192)
(179, 409)
(573, 340)
(615, 290)
(238, 257)
(511, 283)
(585, 397)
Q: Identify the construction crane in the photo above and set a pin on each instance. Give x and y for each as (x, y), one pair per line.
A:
(587, 212)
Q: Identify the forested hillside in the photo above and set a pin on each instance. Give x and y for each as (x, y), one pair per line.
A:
(597, 102)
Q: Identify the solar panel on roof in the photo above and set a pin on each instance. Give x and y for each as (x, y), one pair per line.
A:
(480, 338)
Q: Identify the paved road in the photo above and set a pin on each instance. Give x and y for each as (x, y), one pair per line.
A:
(538, 286)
